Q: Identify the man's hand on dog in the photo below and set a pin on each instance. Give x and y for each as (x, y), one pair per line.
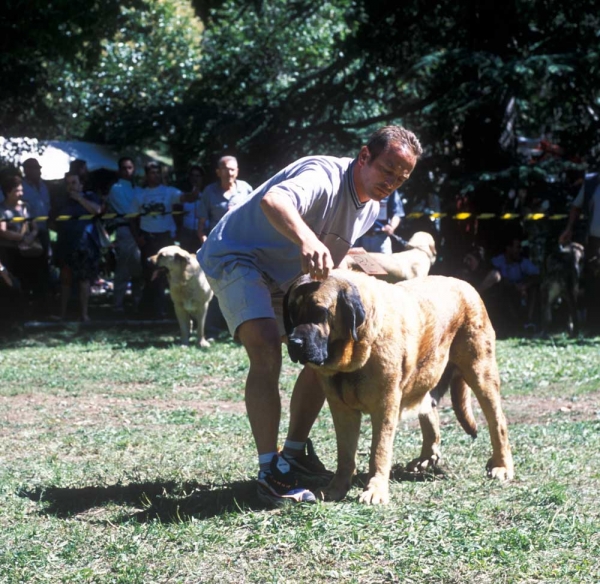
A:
(316, 259)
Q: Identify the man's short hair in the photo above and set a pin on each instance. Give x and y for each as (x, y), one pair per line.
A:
(76, 165)
(225, 159)
(381, 139)
(197, 167)
(10, 182)
(151, 166)
(31, 162)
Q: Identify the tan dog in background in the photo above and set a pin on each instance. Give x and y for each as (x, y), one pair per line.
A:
(405, 265)
(381, 349)
(189, 289)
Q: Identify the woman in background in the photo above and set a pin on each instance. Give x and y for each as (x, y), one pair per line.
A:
(77, 252)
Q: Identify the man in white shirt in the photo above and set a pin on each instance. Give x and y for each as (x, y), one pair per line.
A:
(154, 229)
(129, 264)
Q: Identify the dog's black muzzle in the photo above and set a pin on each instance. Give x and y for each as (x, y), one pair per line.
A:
(306, 344)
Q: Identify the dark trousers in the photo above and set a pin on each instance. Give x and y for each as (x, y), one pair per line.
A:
(154, 301)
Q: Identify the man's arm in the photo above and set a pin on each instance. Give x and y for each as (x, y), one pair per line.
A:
(567, 234)
(315, 258)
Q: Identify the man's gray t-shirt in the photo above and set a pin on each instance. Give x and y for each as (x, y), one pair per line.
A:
(322, 190)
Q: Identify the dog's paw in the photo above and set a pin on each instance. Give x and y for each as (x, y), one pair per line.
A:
(500, 473)
(336, 490)
(376, 493)
(423, 465)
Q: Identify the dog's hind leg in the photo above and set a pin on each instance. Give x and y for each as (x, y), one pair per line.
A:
(484, 379)
(430, 449)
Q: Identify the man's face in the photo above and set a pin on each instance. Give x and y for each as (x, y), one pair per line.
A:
(73, 184)
(127, 169)
(32, 172)
(513, 251)
(379, 178)
(153, 177)
(227, 173)
(195, 178)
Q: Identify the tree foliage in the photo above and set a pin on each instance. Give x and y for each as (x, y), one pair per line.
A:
(272, 80)
(284, 79)
(34, 34)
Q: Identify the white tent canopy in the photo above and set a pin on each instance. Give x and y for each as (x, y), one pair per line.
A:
(55, 156)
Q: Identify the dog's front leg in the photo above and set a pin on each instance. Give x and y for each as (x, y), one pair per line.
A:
(347, 430)
(183, 319)
(384, 420)
(200, 322)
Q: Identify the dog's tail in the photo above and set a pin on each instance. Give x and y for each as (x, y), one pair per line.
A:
(460, 394)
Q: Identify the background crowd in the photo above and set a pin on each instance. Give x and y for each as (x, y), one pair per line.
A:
(49, 267)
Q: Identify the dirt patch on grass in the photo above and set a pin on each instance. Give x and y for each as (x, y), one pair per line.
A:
(31, 409)
(541, 409)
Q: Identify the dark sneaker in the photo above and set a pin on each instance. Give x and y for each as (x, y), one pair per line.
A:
(279, 485)
(308, 464)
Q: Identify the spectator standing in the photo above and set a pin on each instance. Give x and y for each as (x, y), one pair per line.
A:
(78, 249)
(31, 272)
(128, 267)
(222, 195)
(80, 168)
(155, 229)
(218, 198)
(188, 234)
(519, 282)
(379, 238)
(588, 202)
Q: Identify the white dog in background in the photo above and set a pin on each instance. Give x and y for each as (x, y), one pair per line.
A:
(188, 287)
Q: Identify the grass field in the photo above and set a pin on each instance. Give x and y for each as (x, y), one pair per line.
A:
(126, 458)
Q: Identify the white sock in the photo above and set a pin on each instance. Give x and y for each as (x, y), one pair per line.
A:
(293, 445)
(264, 460)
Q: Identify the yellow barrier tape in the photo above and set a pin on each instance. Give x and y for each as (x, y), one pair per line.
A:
(415, 215)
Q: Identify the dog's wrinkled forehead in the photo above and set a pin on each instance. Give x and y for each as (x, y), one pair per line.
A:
(308, 303)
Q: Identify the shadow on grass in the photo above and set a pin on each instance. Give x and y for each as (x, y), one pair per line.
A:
(172, 502)
(169, 502)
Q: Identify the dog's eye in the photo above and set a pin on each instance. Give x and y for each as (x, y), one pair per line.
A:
(312, 315)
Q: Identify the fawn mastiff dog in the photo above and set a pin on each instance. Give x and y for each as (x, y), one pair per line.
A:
(189, 289)
(380, 349)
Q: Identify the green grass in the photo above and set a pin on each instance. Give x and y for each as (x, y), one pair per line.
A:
(126, 458)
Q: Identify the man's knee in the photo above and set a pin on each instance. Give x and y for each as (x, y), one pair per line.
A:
(262, 341)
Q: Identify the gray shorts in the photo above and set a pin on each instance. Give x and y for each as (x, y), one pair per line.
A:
(245, 294)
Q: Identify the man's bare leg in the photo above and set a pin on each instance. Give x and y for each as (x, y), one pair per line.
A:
(262, 342)
(307, 401)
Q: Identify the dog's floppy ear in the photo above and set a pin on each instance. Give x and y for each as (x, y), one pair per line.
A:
(288, 325)
(351, 308)
(287, 320)
(179, 257)
(308, 285)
